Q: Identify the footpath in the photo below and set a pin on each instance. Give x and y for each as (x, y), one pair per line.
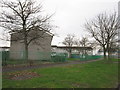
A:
(12, 69)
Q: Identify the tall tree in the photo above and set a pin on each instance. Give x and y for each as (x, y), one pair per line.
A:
(84, 42)
(69, 42)
(103, 29)
(24, 18)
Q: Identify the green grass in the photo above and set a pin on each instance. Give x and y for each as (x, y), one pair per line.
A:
(89, 75)
(87, 57)
(73, 59)
(23, 62)
(114, 59)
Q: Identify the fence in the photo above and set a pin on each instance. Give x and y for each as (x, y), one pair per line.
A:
(85, 57)
(59, 57)
(90, 57)
(14, 58)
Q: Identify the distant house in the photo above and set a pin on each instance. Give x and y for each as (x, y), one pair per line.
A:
(57, 49)
(4, 48)
(4, 53)
(100, 52)
(36, 51)
(113, 52)
(75, 49)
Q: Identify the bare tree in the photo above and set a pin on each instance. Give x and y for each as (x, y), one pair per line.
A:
(77, 42)
(23, 19)
(103, 29)
(69, 42)
(113, 47)
(84, 42)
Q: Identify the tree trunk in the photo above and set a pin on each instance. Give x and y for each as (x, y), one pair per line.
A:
(26, 52)
(108, 54)
(25, 39)
(108, 50)
(82, 53)
(26, 46)
(104, 51)
(69, 56)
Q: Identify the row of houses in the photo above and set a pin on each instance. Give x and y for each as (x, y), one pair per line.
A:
(43, 50)
(37, 54)
(39, 49)
(74, 50)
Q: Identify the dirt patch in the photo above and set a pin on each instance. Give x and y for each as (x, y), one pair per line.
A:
(22, 75)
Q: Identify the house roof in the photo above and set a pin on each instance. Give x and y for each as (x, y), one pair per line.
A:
(54, 46)
(73, 47)
(5, 47)
(47, 32)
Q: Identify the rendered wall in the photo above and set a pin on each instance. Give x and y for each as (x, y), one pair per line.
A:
(41, 51)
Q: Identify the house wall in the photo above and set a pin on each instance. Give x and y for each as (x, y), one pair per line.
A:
(4, 49)
(1, 49)
(74, 51)
(39, 51)
(58, 50)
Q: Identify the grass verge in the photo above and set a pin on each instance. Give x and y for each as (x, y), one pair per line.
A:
(88, 75)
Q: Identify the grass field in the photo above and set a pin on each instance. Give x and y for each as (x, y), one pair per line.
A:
(113, 59)
(96, 74)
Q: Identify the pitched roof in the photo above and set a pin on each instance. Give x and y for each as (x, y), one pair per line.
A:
(73, 47)
(5, 47)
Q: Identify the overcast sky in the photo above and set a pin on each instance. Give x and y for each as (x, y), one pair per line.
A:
(70, 15)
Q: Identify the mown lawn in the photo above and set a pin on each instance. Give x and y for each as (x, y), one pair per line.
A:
(113, 59)
(72, 59)
(88, 75)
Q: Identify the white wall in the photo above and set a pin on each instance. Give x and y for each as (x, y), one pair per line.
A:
(1, 49)
(4, 49)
